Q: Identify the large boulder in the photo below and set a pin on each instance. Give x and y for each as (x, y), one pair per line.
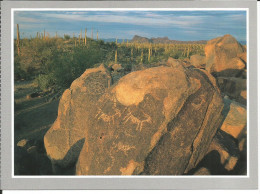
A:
(225, 56)
(160, 120)
(63, 142)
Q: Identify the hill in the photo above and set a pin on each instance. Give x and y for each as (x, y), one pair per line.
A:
(164, 40)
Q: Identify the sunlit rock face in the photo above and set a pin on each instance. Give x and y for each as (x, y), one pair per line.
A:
(225, 56)
(157, 121)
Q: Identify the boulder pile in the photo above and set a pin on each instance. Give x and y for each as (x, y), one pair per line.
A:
(164, 120)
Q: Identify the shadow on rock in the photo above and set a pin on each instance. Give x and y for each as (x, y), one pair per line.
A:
(68, 166)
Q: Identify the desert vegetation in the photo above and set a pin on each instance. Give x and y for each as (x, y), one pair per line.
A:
(186, 114)
(57, 61)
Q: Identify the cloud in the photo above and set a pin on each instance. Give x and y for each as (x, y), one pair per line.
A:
(147, 19)
(125, 24)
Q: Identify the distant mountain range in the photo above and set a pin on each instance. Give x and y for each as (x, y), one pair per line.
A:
(164, 40)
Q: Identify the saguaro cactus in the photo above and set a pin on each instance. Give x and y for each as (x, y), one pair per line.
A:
(85, 36)
(149, 54)
(116, 56)
(18, 40)
(81, 34)
(142, 56)
(132, 53)
(97, 34)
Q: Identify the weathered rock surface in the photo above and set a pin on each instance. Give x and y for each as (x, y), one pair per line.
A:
(65, 139)
(198, 61)
(159, 120)
(234, 88)
(225, 56)
(236, 118)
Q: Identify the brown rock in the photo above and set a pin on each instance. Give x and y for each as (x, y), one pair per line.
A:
(222, 56)
(202, 171)
(198, 61)
(174, 62)
(33, 95)
(235, 121)
(243, 56)
(64, 140)
(117, 67)
(22, 143)
(159, 120)
(234, 88)
(32, 150)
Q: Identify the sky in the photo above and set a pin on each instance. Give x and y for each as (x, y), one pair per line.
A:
(176, 25)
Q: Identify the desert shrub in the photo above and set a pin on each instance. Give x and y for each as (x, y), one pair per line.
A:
(66, 36)
(45, 81)
(56, 62)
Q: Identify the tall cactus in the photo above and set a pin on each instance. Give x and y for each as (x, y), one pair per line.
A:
(132, 54)
(116, 57)
(97, 34)
(18, 40)
(85, 36)
(142, 56)
(81, 34)
(149, 54)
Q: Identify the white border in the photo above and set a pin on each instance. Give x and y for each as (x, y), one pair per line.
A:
(127, 9)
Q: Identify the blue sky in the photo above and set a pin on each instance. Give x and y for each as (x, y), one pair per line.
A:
(177, 25)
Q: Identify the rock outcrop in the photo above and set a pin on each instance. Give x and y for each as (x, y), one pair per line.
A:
(225, 57)
(157, 121)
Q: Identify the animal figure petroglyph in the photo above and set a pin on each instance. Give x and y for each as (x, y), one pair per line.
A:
(135, 120)
(109, 118)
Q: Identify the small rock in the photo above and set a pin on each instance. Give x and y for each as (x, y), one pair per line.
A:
(236, 119)
(198, 61)
(32, 95)
(202, 171)
(117, 67)
(32, 149)
(22, 143)
(174, 62)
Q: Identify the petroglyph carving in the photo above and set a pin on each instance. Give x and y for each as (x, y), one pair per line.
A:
(124, 148)
(130, 117)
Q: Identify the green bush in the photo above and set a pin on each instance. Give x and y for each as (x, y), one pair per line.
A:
(45, 81)
(66, 37)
